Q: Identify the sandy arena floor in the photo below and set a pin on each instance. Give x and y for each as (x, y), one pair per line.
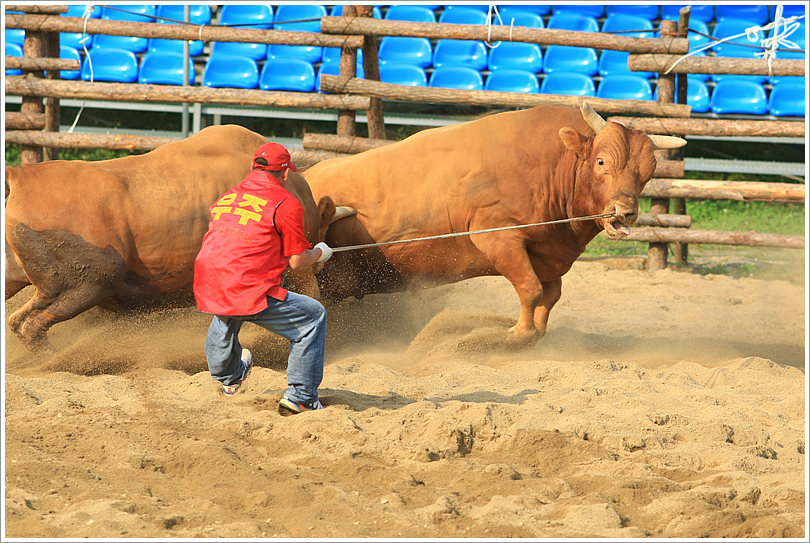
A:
(665, 405)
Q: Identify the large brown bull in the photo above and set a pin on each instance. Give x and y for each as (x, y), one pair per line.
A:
(541, 164)
(123, 233)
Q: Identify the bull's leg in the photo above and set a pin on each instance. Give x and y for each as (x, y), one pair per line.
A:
(70, 276)
(13, 287)
(552, 290)
(508, 255)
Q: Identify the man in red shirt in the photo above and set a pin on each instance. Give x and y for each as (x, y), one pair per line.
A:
(256, 231)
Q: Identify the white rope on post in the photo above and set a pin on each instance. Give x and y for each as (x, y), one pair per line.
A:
(88, 10)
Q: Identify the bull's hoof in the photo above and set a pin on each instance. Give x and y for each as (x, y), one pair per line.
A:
(525, 337)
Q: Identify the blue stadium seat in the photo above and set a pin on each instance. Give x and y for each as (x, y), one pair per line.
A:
(758, 13)
(73, 54)
(571, 59)
(568, 83)
(456, 77)
(615, 62)
(507, 80)
(537, 9)
(230, 71)
(480, 7)
(735, 27)
(240, 16)
(579, 9)
(792, 11)
(287, 74)
(515, 16)
(73, 39)
(334, 69)
(648, 12)
(337, 11)
(158, 45)
(563, 58)
(143, 13)
(788, 98)
(13, 50)
(702, 12)
(697, 95)
(304, 14)
(573, 21)
(464, 15)
(14, 35)
(696, 40)
(253, 51)
(298, 12)
(197, 15)
(737, 96)
(331, 55)
(403, 74)
(624, 87)
(516, 56)
(416, 14)
(468, 53)
(115, 65)
(797, 37)
(405, 50)
(164, 68)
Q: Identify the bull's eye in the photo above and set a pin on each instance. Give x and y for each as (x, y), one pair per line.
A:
(600, 161)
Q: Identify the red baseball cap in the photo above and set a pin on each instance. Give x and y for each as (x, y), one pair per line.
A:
(277, 158)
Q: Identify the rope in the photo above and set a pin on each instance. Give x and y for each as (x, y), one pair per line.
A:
(485, 231)
(490, 19)
(88, 10)
(750, 33)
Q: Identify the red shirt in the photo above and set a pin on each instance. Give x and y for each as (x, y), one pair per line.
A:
(242, 255)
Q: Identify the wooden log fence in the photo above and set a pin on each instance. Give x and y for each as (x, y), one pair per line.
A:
(712, 65)
(544, 36)
(713, 127)
(351, 85)
(357, 30)
(50, 23)
(133, 92)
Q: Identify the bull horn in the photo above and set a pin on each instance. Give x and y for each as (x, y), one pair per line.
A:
(341, 212)
(591, 117)
(667, 142)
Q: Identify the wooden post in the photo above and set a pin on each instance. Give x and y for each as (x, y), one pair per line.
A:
(52, 109)
(657, 253)
(347, 122)
(33, 46)
(680, 251)
(371, 67)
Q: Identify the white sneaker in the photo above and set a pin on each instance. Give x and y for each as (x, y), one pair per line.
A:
(247, 365)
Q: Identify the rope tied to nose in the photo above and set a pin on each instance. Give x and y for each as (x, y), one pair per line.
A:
(472, 233)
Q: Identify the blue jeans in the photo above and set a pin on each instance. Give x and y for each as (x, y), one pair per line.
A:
(299, 319)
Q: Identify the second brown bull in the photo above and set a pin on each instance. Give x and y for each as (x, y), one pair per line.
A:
(542, 164)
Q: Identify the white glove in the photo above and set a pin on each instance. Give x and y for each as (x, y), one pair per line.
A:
(326, 252)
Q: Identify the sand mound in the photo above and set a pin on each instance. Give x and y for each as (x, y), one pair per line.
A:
(666, 405)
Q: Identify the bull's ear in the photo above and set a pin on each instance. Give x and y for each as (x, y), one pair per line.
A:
(326, 209)
(574, 141)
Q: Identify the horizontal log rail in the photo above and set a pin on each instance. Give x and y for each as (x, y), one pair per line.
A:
(351, 85)
(50, 23)
(713, 127)
(713, 65)
(41, 64)
(133, 92)
(16, 120)
(124, 142)
(723, 190)
(64, 140)
(716, 237)
(46, 10)
(544, 36)
(664, 220)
